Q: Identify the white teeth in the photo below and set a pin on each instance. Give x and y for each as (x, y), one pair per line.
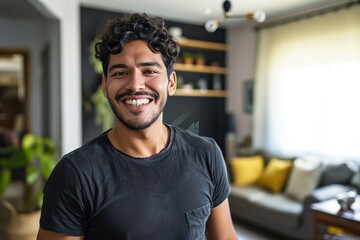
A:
(137, 102)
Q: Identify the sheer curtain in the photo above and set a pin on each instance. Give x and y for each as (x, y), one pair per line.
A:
(307, 89)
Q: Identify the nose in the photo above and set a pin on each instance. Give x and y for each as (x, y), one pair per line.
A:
(136, 81)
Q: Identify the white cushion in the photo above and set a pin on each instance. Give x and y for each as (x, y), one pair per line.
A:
(303, 178)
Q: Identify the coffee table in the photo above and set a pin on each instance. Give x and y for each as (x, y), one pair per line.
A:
(328, 213)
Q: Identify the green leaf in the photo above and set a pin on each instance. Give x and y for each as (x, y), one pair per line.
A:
(28, 141)
(5, 179)
(47, 165)
(103, 112)
(50, 145)
(16, 160)
(32, 174)
(97, 66)
(39, 199)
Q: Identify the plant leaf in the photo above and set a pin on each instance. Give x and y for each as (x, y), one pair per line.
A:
(50, 145)
(32, 175)
(39, 199)
(47, 165)
(28, 141)
(16, 160)
(5, 179)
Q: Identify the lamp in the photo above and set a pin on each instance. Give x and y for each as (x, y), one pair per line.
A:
(212, 25)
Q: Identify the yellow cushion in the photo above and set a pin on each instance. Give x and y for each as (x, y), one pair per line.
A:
(275, 175)
(246, 170)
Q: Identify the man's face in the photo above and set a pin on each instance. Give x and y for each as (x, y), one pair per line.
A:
(137, 85)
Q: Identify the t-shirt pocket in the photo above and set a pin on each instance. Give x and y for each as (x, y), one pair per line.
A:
(197, 221)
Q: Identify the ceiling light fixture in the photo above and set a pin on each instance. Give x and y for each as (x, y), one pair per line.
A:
(212, 25)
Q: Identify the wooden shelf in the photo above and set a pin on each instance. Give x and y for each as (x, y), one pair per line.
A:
(8, 81)
(200, 69)
(202, 44)
(181, 67)
(200, 93)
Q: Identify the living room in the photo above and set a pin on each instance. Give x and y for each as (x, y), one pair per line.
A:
(259, 123)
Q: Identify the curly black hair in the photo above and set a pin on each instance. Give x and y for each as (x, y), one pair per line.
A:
(137, 27)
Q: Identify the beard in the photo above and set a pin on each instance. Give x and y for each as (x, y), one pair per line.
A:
(134, 125)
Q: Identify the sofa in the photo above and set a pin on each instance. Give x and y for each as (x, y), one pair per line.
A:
(275, 193)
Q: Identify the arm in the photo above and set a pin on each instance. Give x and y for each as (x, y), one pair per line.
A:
(47, 235)
(219, 225)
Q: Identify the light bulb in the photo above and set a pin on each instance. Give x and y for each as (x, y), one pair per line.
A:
(259, 16)
(212, 25)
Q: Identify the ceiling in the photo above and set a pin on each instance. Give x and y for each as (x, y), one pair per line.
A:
(189, 11)
(21, 9)
(199, 11)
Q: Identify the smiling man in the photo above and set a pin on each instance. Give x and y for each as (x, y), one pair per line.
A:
(142, 179)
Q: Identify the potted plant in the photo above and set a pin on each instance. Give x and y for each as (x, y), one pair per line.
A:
(200, 59)
(188, 58)
(36, 156)
(103, 113)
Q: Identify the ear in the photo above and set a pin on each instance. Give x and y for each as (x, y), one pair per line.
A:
(172, 84)
(103, 84)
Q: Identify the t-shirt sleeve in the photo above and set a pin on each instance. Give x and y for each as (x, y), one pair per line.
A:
(220, 177)
(63, 208)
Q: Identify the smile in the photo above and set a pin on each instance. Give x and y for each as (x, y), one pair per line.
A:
(137, 102)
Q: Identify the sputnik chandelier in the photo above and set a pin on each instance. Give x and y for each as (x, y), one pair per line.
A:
(212, 25)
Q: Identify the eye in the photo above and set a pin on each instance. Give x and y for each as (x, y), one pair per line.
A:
(150, 72)
(118, 74)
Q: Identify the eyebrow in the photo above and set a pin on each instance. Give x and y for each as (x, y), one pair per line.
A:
(156, 64)
(143, 64)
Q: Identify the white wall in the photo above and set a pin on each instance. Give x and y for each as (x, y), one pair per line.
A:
(241, 65)
(68, 14)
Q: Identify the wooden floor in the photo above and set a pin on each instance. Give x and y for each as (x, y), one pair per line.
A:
(248, 232)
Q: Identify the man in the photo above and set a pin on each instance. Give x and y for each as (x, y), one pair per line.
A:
(142, 179)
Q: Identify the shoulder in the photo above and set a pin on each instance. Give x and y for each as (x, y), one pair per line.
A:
(189, 141)
(189, 138)
(82, 165)
(85, 158)
(90, 150)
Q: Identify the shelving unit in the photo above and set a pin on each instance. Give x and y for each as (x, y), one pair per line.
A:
(200, 93)
(200, 69)
(192, 68)
(189, 43)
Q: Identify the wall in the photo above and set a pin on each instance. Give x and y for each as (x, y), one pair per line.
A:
(28, 35)
(41, 37)
(67, 12)
(241, 63)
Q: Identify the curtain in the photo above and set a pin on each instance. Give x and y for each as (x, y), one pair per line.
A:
(307, 88)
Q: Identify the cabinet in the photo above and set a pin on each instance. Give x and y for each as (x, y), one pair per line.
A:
(210, 70)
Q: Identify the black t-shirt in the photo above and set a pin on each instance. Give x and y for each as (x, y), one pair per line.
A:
(102, 193)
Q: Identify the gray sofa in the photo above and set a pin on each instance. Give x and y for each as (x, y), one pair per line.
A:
(281, 213)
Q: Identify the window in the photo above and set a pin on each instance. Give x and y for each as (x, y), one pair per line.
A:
(307, 86)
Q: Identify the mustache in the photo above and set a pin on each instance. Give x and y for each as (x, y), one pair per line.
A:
(133, 93)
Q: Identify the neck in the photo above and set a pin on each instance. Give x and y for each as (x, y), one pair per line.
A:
(140, 143)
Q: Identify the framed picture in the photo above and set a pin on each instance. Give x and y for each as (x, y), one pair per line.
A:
(248, 92)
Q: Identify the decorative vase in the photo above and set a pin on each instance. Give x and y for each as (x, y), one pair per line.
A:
(22, 226)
